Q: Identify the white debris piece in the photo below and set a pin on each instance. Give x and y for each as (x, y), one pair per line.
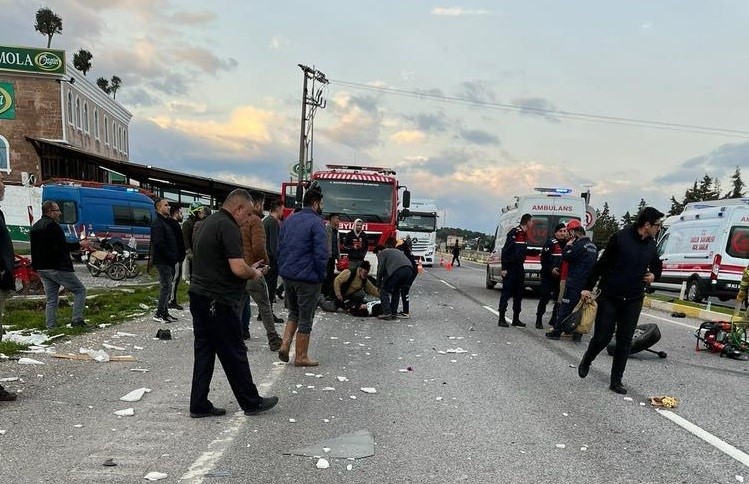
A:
(26, 339)
(560, 446)
(142, 370)
(78, 426)
(456, 350)
(292, 420)
(120, 333)
(322, 463)
(143, 306)
(326, 420)
(318, 376)
(441, 352)
(311, 387)
(628, 399)
(153, 475)
(439, 399)
(349, 467)
(341, 378)
(97, 355)
(10, 378)
(128, 412)
(584, 448)
(29, 361)
(368, 390)
(113, 347)
(328, 389)
(2, 432)
(309, 374)
(137, 347)
(299, 385)
(353, 397)
(740, 478)
(565, 414)
(334, 337)
(642, 404)
(326, 449)
(135, 395)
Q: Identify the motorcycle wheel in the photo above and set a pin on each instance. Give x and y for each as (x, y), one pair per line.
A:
(134, 271)
(94, 271)
(117, 271)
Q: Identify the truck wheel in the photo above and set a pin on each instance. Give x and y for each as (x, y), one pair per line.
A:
(694, 293)
(489, 282)
(646, 335)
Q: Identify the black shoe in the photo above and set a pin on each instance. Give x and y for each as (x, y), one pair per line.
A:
(275, 343)
(278, 320)
(618, 388)
(245, 335)
(78, 322)
(539, 325)
(174, 305)
(169, 318)
(553, 335)
(518, 323)
(502, 321)
(213, 412)
(583, 368)
(266, 404)
(577, 337)
(6, 396)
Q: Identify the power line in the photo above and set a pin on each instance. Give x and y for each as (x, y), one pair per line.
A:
(577, 116)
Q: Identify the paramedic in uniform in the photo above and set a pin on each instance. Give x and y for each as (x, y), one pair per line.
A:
(513, 273)
(551, 260)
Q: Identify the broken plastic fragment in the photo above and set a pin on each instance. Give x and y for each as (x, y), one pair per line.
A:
(78, 426)
(353, 397)
(155, 476)
(584, 448)
(2, 432)
(135, 395)
(368, 390)
(341, 378)
(292, 420)
(128, 412)
(137, 347)
(322, 463)
(560, 446)
(740, 478)
(142, 370)
(439, 399)
(29, 361)
(326, 449)
(328, 389)
(309, 374)
(349, 467)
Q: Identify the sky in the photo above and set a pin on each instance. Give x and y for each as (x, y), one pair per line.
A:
(471, 102)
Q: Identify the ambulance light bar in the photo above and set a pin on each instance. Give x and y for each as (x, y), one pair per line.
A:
(562, 191)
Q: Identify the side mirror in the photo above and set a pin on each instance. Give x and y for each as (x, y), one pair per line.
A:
(406, 199)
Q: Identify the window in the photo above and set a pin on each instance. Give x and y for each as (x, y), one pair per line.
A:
(106, 130)
(69, 212)
(738, 242)
(85, 117)
(119, 133)
(4, 155)
(126, 215)
(122, 215)
(141, 217)
(542, 227)
(114, 134)
(77, 112)
(124, 144)
(662, 244)
(96, 123)
(70, 108)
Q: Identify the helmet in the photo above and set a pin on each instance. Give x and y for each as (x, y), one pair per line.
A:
(573, 224)
(195, 207)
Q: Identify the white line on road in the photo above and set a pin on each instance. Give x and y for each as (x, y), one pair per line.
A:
(669, 321)
(208, 459)
(447, 284)
(491, 310)
(721, 445)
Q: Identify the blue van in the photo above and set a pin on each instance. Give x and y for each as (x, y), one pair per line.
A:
(117, 212)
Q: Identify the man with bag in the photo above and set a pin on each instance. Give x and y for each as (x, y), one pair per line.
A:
(581, 254)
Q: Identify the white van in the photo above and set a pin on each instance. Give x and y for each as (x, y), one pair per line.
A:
(549, 207)
(708, 248)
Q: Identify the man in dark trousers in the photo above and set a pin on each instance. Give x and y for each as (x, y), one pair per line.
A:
(331, 230)
(272, 225)
(50, 257)
(629, 263)
(580, 254)
(456, 254)
(7, 281)
(551, 260)
(175, 217)
(165, 255)
(217, 295)
(356, 244)
(197, 212)
(302, 261)
(394, 271)
(514, 251)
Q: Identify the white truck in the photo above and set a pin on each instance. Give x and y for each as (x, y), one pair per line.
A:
(419, 222)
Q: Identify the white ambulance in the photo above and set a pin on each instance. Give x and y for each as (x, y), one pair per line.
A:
(708, 248)
(549, 207)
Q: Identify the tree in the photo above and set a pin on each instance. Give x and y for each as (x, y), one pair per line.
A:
(641, 206)
(48, 23)
(114, 86)
(82, 61)
(626, 219)
(738, 185)
(676, 207)
(605, 227)
(103, 85)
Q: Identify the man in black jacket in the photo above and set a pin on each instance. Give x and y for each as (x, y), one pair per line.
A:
(356, 244)
(629, 263)
(50, 257)
(551, 262)
(7, 282)
(175, 217)
(514, 251)
(165, 255)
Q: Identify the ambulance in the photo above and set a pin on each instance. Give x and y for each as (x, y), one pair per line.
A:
(706, 247)
(549, 207)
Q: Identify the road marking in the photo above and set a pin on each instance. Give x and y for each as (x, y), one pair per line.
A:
(719, 444)
(670, 321)
(491, 310)
(208, 459)
(447, 284)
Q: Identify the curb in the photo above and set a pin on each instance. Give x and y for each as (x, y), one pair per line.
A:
(691, 312)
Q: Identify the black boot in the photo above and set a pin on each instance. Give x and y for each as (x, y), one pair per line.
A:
(503, 321)
(539, 324)
(617, 387)
(583, 368)
(516, 321)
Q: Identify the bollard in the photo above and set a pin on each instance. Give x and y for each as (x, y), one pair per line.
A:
(683, 290)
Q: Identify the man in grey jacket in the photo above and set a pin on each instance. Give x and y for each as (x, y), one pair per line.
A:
(394, 271)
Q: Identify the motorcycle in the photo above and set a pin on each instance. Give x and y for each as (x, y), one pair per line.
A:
(29, 279)
(128, 258)
(101, 257)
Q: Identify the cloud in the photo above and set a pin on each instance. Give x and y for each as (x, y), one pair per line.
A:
(537, 106)
(404, 137)
(479, 136)
(193, 18)
(477, 91)
(204, 59)
(432, 123)
(459, 11)
(357, 121)
(719, 163)
(278, 42)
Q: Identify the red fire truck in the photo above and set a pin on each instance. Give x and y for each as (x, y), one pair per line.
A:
(366, 192)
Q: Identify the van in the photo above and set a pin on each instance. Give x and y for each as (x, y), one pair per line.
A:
(118, 212)
(706, 247)
(549, 207)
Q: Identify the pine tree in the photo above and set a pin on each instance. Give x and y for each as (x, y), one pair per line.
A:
(626, 219)
(605, 226)
(676, 207)
(737, 190)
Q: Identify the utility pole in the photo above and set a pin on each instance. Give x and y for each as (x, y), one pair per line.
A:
(311, 100)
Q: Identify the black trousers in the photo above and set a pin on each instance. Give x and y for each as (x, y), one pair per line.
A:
(614, 315)
(218, 332)
(548, 291)
(513, 286)
(327, 285)
(271, 279)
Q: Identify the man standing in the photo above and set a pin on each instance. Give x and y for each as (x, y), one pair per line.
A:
(165, 255)
(331, 230)
(196, 213)
(513, 273)
(7, 281)
(272, 225)
(253, 246)
(302, 263)
(394, 271)
(551, 260)
(356, 244)
(456, 254)
(175, 217)
(217, 293)
(50, 257)
(580, 254)
(629, 263)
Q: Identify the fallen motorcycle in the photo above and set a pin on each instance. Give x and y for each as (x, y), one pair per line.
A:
(27, 276)
(103, 259)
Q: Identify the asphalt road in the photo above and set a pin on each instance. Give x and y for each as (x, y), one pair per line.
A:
(511, 408)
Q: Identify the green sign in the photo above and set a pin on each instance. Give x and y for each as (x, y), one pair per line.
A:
(7, 101)
(39, 61)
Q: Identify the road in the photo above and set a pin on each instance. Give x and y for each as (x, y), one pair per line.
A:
(511, 408)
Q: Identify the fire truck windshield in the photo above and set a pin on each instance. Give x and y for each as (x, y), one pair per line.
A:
(419, 223)
(371, 202)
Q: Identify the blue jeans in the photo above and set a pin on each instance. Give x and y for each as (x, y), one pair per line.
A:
(166, 281)
(52, 280)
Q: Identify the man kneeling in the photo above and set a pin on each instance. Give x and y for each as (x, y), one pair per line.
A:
(352, 287)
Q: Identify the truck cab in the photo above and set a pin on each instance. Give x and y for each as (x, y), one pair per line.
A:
(419, 223)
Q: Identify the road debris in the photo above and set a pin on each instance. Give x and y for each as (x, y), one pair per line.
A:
(155, 476)
(29, 361)
(664, 401)
(368, 390)
(322, 463)
(128, 412)
(135, 395)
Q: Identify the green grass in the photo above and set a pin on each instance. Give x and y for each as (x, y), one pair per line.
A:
(107, 306)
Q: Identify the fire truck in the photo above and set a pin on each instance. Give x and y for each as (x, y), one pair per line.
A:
(355, 192)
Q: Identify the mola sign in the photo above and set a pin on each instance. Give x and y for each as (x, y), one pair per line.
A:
(38, 61)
